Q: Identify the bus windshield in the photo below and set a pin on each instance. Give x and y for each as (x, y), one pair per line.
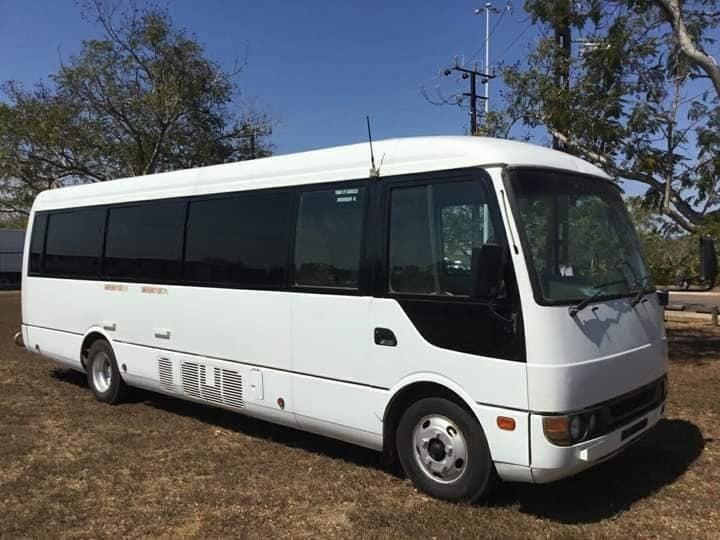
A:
(578, 238)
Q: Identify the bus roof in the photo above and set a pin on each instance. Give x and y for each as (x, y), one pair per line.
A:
(351, 162)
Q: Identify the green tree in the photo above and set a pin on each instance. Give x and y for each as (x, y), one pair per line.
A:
(631, 103)
(668, 251)
(141, 99)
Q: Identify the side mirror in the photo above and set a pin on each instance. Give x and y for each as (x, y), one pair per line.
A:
(708, 260)
(486, 272)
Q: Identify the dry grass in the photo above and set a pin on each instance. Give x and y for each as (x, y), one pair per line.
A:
(162, 467)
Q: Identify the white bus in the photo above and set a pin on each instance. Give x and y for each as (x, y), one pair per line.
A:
(480, 309)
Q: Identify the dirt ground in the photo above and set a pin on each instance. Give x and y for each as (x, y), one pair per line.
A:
(156, 466)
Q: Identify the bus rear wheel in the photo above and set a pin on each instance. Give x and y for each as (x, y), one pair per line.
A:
(103, 375)
(443, 451)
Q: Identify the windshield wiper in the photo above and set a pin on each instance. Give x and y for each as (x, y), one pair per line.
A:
(641, 292)
(574, 310)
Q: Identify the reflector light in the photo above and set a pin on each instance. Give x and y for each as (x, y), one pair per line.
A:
(506, 423)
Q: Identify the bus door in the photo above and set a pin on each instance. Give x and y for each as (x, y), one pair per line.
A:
(330, 309)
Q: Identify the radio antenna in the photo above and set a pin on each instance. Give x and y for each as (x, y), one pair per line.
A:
(374, 171)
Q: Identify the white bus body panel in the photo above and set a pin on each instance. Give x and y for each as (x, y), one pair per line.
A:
(351, 162)
(333, 338)
(63, 347)
(606, 350)
(315, 352)
(550, 462)
(233, 330)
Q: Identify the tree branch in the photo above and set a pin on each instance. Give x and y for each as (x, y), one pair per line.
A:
(683, 213)
(673, 13)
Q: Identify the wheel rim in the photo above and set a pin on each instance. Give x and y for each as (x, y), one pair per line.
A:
(440, 448)
(101, 371)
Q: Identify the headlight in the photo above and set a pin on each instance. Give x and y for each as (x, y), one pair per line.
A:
(575, 427)
(569, 429)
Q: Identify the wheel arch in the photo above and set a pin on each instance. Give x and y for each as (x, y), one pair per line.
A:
(91, 335)
(412, 389)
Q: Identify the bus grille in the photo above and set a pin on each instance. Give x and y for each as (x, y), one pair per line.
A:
(166, 374)
(628, 407)
(232, 389)
(223, 387)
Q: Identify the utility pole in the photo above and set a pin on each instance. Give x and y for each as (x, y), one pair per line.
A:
(252, 133)
(473, 103)
(472, 74)
(487, 56)
(489, 8)
(562, 60)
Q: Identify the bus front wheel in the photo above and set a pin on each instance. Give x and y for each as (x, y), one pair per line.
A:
(103, 374)
(443, 451)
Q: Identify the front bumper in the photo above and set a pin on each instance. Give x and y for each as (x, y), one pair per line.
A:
(550, 462)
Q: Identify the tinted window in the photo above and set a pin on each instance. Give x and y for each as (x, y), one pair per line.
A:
(74, 242)
(578, 237)
(37, 242)
(433, 230)
(328, 238)
(411, 257)
(145, 241)
(240, 240)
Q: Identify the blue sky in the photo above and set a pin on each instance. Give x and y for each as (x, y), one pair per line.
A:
(317, 67)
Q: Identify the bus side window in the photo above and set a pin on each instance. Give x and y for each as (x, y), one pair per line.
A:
(411, 264)
(37, 243)
(241, 240)
(433, 230)
(74, 242)
(329, 237)
(144, 242)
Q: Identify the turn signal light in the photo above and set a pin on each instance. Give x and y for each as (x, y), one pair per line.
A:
(570, 429)
(556, 428)
(506, 423)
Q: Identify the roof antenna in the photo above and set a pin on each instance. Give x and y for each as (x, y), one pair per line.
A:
(374, 171)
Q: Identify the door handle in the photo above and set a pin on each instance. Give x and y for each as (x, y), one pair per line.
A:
(385, 337)
(162, 334)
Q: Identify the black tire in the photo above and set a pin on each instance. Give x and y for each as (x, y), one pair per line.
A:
(476, 474)
(103, 375)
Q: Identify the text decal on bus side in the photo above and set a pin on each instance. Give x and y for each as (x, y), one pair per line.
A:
(115, 287)
(346, 195)
(154, 290)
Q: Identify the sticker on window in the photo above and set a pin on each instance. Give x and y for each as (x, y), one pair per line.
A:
(346, 195)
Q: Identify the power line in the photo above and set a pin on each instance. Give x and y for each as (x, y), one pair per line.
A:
(472, 75)
(488, 9)
(512, 44)
(500, 18)
(492, 32)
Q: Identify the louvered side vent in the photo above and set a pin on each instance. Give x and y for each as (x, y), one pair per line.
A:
(165, 373)
(232, 389)
(190, 379)
(211, 384)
